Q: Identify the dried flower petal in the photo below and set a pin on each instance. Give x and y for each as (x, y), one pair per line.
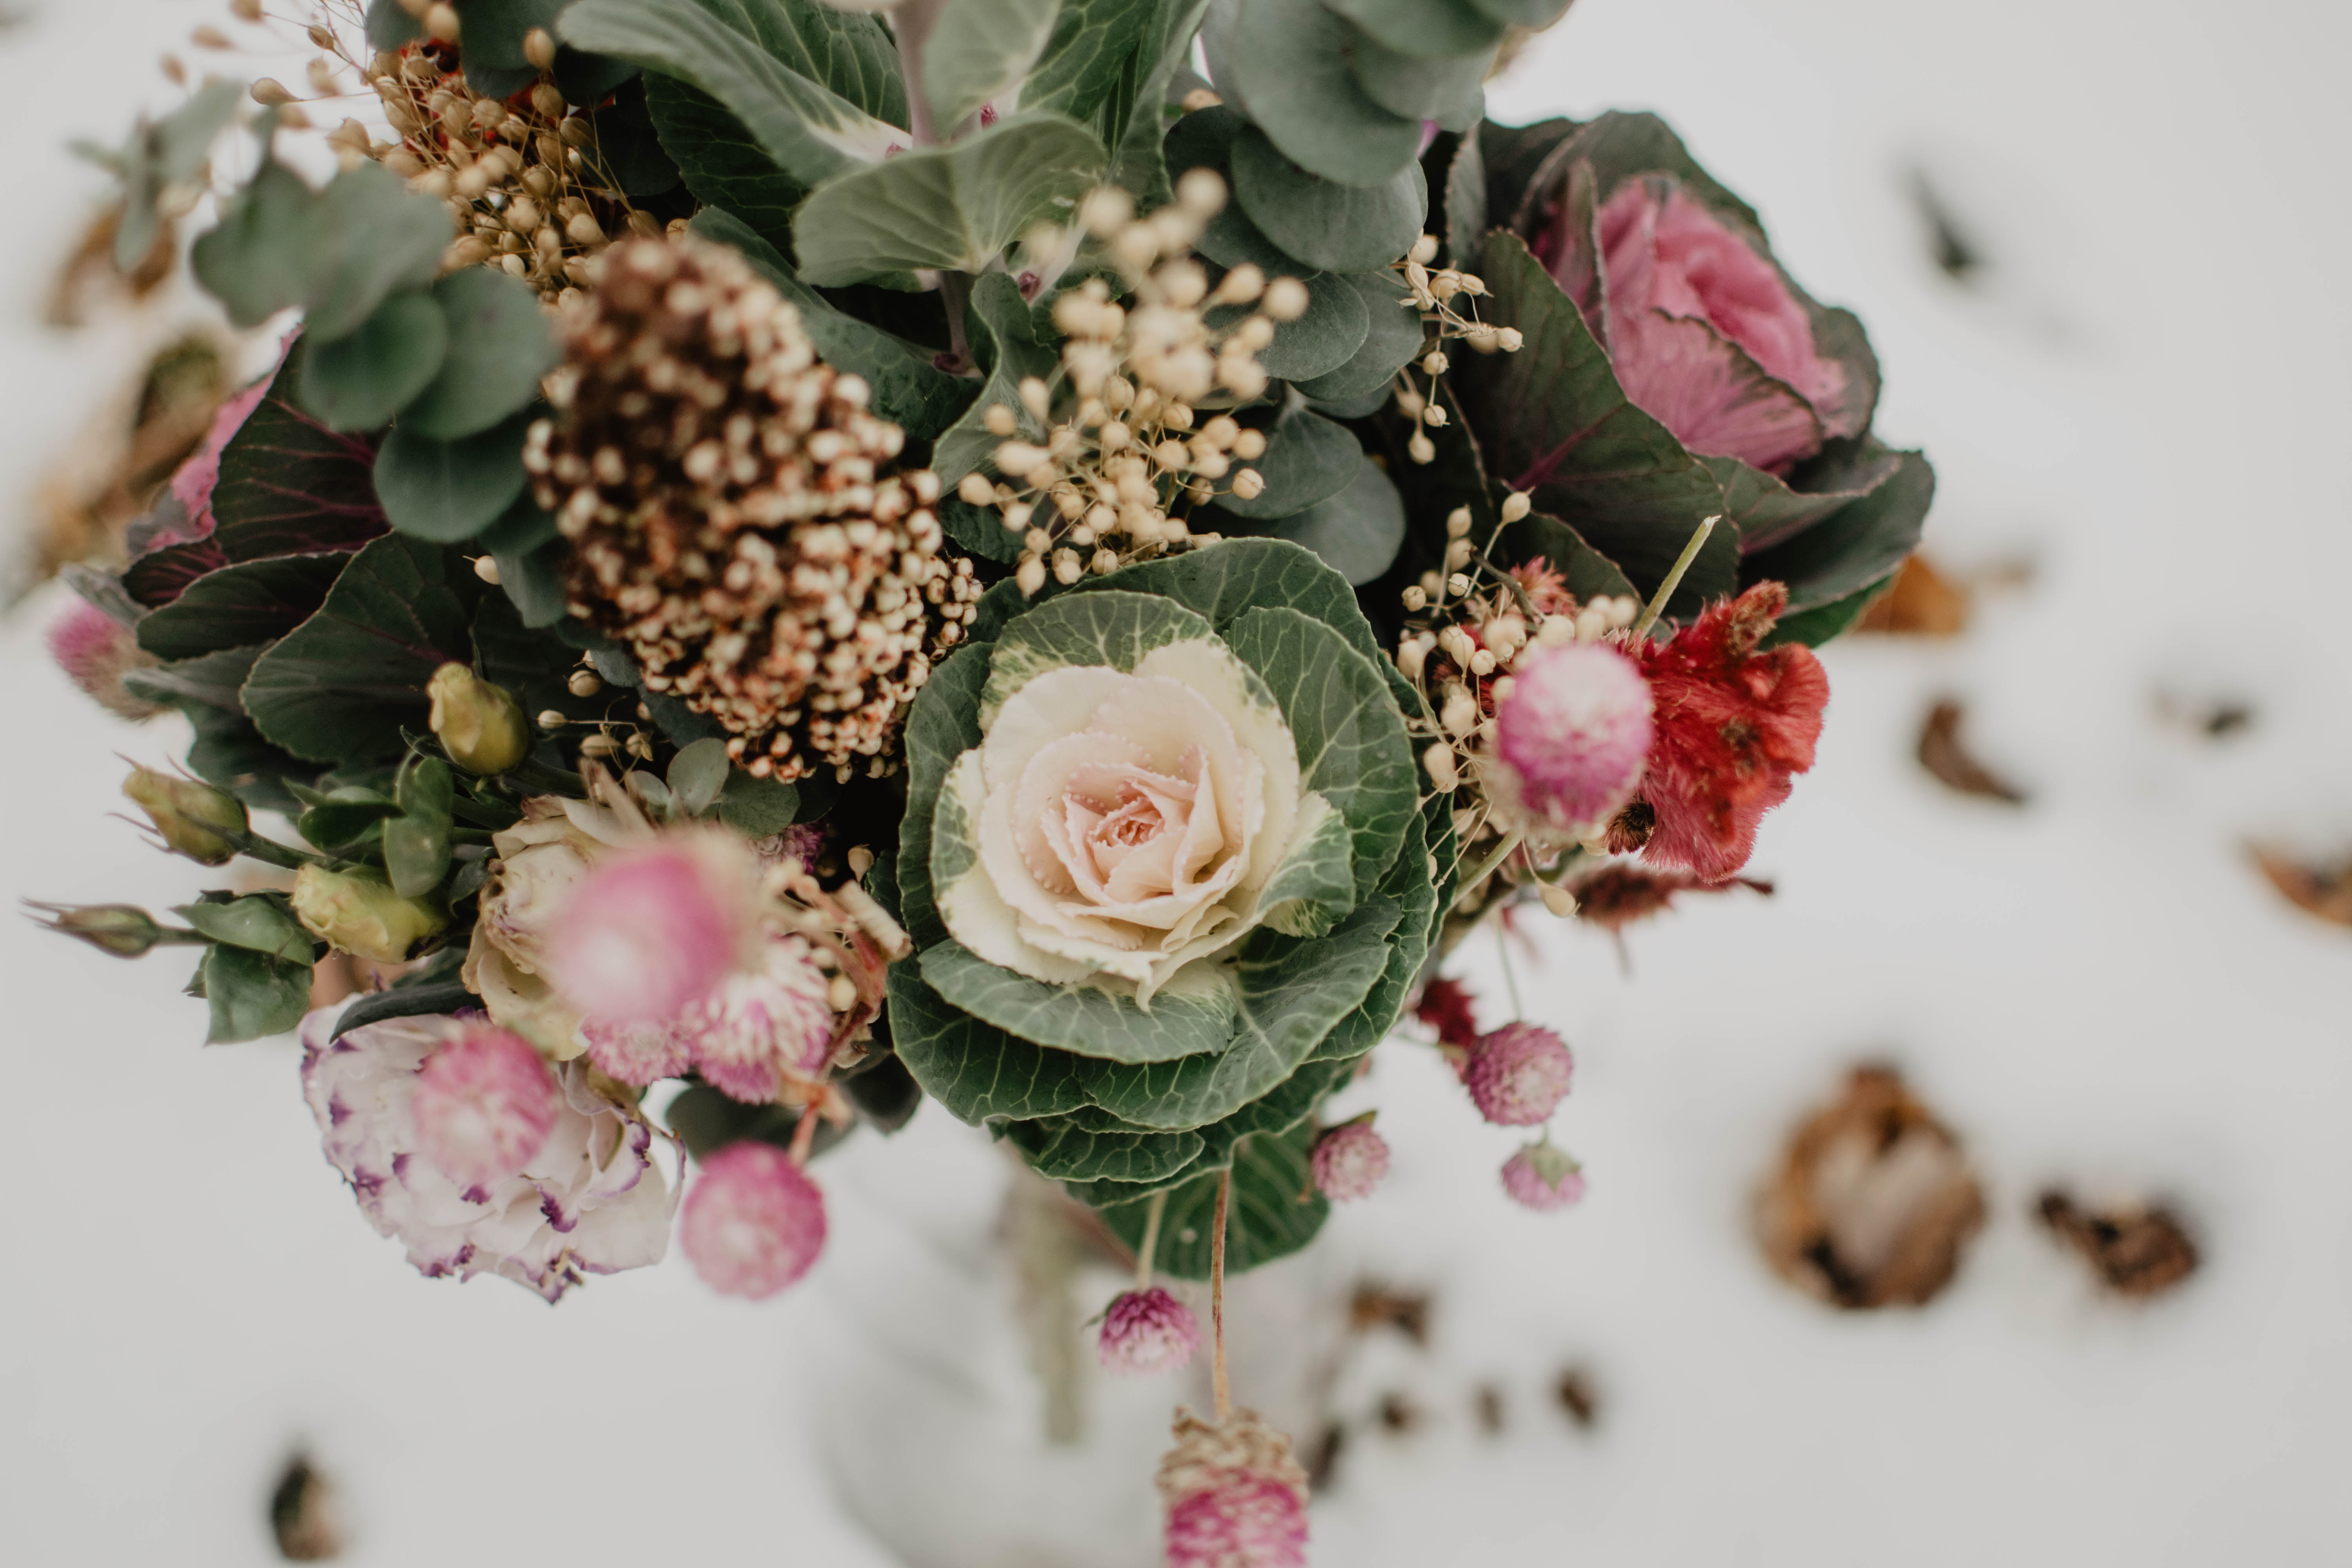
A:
(1349, 1161)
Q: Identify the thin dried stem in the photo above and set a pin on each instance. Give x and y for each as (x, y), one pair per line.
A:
(1217, 1289)
(1657, 605)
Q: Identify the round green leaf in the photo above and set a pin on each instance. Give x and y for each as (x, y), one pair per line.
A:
(1331, 226)
(360, 381)
(1533, 14)
(1447, 89)
(450, 490)
(1308, 459)
(1429, 28)
(500, 344)
(1290, 61)
(1357, 531)
(1335, 326)
(1392, 340)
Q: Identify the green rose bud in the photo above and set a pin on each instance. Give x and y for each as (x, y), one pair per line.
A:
(195, 819)
(123, 930)
(360, 915)
(480, 725)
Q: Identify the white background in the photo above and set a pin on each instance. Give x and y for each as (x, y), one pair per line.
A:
(2146, 396)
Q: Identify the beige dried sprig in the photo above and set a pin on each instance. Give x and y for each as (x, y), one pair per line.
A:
(1124, 454)
(1447, 315)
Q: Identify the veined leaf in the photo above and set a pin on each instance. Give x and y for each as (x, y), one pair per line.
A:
(979, 50)
(1307, 459)
(1135, 135)
(1231, 579)
(252, 994)
(951, 208)
(1392, 342)
(1107, 628)
(1274, 1209)
(1429, 28)
(1357, 531)
(755, 57)
(341, 686)
(240, 604)
(1331, 226)
(450, 490)
(257, 922)
(1064, 1148)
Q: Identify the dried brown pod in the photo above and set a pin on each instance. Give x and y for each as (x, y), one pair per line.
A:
(1924, 603)
(303, 1515)
(1377, 1306)
(2210, 717)
(2136, 1249)
(1488, 1402)
(1398, 1414)
(2324, 890)
(1874, 1199)
(1578, 1396)
(89, 279)
(1942, 754)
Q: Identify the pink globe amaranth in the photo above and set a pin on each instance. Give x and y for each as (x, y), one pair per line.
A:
(1245, 1521)
(637, 1053)
(1574, 733)
(757, 1026)
(485, 1104)
(1542, 1176)
(650, 930)
(1349, 1161)
(1703, 331)
(1519, 1074)
(753, 1223)
(1146, 1331)
(96, 651)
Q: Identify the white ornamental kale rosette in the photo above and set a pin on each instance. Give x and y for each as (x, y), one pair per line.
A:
(1167, 873)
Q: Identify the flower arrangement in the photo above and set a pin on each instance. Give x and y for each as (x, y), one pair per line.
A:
(797, 559)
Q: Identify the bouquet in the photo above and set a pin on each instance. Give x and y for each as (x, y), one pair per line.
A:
(796, 559)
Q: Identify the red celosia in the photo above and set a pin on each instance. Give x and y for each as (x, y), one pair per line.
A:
(1734, 725)
(1447, 1007)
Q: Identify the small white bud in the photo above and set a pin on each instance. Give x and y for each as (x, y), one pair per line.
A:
(1516, 505)
(1557, 899)
(1438, 760)
(1286, 299)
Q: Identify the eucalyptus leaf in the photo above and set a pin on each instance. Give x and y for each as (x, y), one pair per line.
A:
(493, 31)
(1817, 625)
(360, 380)
(1290, 63)
(1534, 15)
(1331, 226)
(952, 207)
(450, 490)
(979, 50)
(170, 151)
(252, 994)
(260, 258)
(757, 807)
(1393, 339)
(1307, 459)
(766, 62)
(1337, 324)
(340, 686)
(1446, 89)
(499, 344)
(1357, 531)
(371, 237)
(696, 776)
(390, 27)
(1431, 29)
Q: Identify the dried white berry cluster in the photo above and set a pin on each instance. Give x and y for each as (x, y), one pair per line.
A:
(1123, 448)
(527, 188)
(1468, 625)
(1442, 297)
(724, 492)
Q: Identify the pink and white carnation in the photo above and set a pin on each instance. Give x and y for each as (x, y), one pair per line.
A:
(587, 1199)
(484, 1104)
(755, 1222)
(1121, 825)
(655, 927)
(1146, 1331)
(759, 1027)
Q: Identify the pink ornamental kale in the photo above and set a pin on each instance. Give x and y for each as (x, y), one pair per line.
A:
(586, 1200)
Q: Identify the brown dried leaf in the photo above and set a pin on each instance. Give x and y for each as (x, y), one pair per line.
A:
(1578, 1396)
(1872, 1201)
(1924, 603)
(2137, 1250)
(89, 279)
(2321, 890)
(1487, 1401)
(1377, 1306)
(303, 1515)
(1942, 754)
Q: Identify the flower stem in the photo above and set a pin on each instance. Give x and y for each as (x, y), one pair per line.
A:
(1510, 980)
(1657, 605)
(1479, 873)
(1217, 1289)
(803, 1137)
(1150, 1247)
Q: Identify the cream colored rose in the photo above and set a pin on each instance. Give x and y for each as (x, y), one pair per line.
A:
(1115, 827)
(539, 861)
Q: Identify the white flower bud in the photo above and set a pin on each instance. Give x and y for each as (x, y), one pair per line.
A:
(1249, 484)
(1250, 445)
(1421, 448)
(1036, 396)
(1286, 299)
(1457, 523)
(1201, 192)
(1438, 760)
(1516, 505)
(1030, 575)
(1509, 340)
(1557, 899)
(975, 489)
(1423, 251)
(1414, 599)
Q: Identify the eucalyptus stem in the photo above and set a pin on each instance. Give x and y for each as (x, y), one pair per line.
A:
(1151, 1246)
(1217, 1290)
(1657, 606)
